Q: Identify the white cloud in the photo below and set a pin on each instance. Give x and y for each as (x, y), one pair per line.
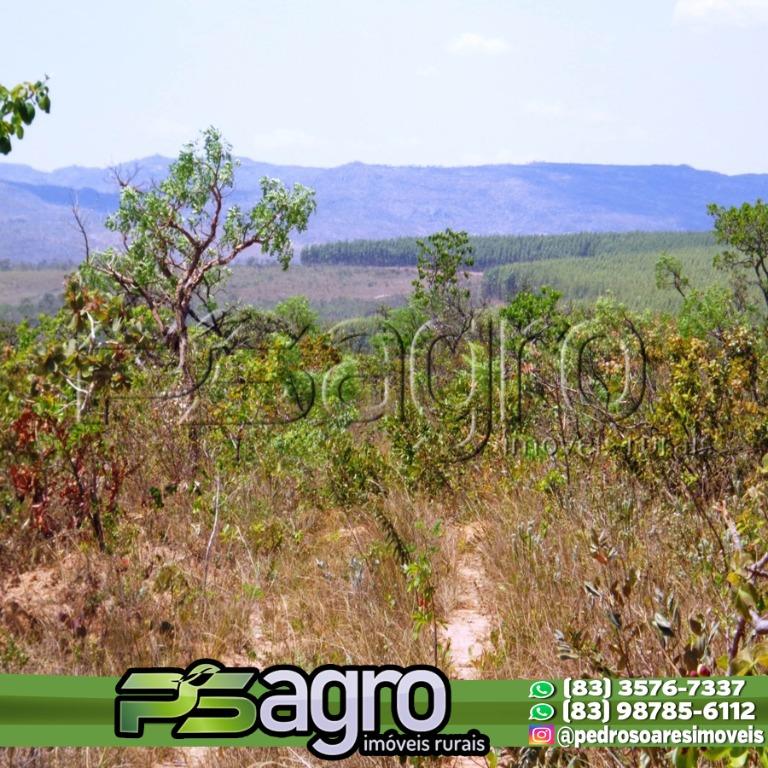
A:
(741, 12)
(470, 42)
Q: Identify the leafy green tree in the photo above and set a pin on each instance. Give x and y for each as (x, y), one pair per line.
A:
(297, 314)
(532, 314)
(442, 265)
(17, 109)
(64, 465)
(533, 317)
(669, 274)
(744, 231)
(178, 237)
(711, 311)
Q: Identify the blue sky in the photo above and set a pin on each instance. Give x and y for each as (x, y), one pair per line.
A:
(411, 82)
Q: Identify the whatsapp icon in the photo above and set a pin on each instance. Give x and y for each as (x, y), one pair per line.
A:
(541, 689)
(542, 712)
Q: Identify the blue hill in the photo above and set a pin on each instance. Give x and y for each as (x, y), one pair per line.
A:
(376, 201)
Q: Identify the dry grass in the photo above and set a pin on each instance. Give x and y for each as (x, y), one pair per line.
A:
(539, 556)
(266, 285)
(335, 291)
(273, 570)
(16, 285)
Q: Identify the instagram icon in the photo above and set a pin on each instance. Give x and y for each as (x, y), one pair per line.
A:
(541, 735)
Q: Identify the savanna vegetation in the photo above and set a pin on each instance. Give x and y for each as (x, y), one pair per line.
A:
(184, 477)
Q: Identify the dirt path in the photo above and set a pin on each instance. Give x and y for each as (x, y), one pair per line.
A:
(466, 631)
(467, 628)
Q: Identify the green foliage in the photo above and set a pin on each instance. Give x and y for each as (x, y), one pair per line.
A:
(666, 547)
(17, 109)
(64, 466)
(534, 322)
(709, 311)
(297, 314)
(356, 473)
(494, 250)
(400, 548)
(708, 414)
(669, 273)
(179, 238)
(261, 381)
(12, 656)
(406, 321)
(744, 230)
(419, 578)
(441, 264)
(628, 277)
(422, 453)
(530, 312)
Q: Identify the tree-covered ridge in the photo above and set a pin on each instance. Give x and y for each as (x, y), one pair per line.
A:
(494, 250)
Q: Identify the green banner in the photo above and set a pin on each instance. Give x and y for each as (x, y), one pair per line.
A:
(48, 711)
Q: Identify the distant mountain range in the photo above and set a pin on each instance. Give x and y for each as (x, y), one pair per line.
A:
(377, 201)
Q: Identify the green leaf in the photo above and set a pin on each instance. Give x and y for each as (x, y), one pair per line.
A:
(685, 757)
(746, 599)
(26, 112)
(739, 758)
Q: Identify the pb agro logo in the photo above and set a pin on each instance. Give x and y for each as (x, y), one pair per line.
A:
(338, 708)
